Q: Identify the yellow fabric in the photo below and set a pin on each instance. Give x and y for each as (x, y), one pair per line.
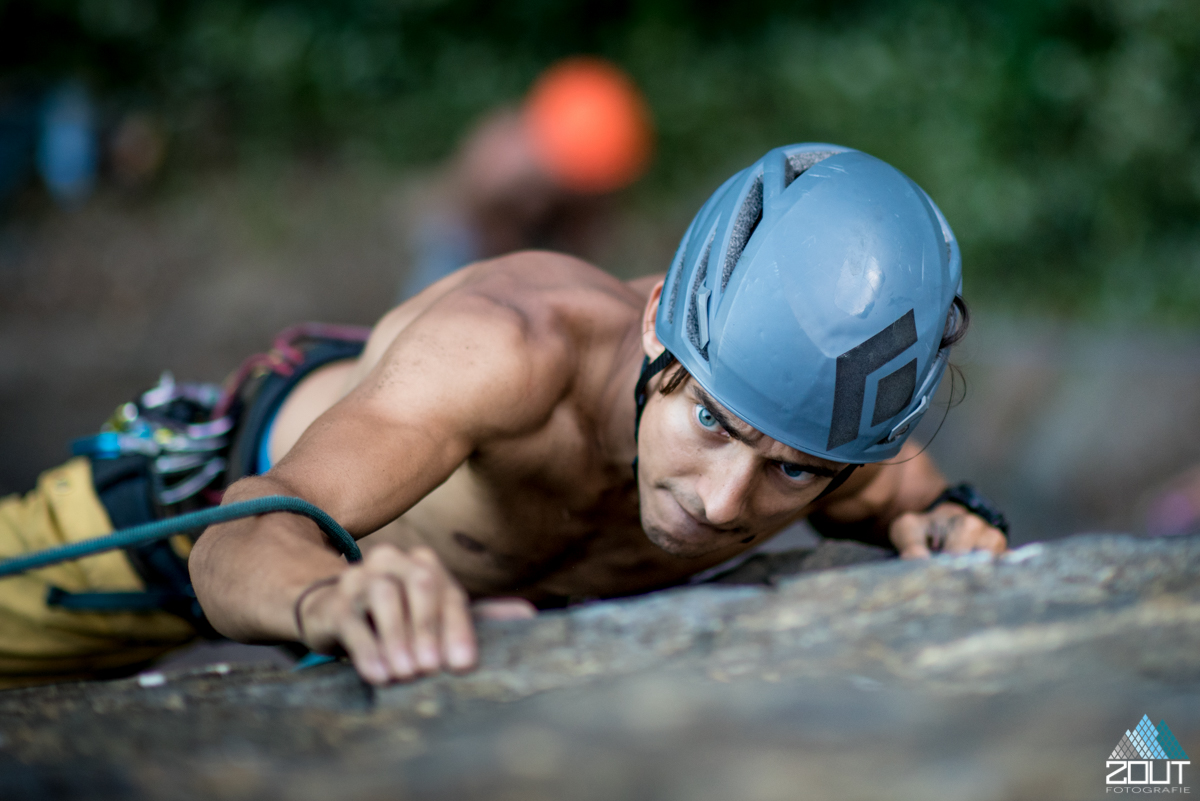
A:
(40, 643)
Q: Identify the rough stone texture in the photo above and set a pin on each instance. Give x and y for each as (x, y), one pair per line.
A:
(959, 678)
(772, 567)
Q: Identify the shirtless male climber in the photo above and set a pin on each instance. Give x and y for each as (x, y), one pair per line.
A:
(488, 444)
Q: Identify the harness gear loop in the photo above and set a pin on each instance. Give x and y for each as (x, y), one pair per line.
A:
(284, 356)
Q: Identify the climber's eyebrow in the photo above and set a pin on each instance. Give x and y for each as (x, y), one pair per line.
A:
(745, 433)
(724, 419)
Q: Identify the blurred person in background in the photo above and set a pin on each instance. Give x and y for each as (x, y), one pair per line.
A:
(137, 149)
(60, 135)
(52, 132)
(67, 151)
(538, 176)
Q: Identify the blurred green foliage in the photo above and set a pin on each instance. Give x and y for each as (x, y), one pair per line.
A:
(1060, 138)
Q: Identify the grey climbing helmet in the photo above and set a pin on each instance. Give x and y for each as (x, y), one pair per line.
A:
(810, 295)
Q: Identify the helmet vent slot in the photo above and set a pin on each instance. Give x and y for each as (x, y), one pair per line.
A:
(749, 216)
(797, 163)
(751, 212)
(694, 310)
(674, 296)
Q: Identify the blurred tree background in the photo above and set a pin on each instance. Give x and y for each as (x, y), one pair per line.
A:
(1060, 138)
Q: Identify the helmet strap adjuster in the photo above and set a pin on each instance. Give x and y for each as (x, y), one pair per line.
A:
(901, 428)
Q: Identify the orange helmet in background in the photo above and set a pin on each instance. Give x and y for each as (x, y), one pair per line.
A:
(589, 124)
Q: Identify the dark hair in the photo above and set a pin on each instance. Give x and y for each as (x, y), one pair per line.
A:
(676, 379)
(957, 322)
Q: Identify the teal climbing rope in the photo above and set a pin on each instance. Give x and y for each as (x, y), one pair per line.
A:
(169, 527)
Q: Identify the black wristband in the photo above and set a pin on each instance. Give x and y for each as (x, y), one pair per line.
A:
(966, 496)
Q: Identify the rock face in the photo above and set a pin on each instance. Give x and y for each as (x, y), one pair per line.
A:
(959, 678)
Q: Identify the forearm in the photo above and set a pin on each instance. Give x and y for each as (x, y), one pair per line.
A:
(872, 501)
(248, 573)
(890, 506)
(396, 613)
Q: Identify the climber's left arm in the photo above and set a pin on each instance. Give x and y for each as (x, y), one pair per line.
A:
(890, 504)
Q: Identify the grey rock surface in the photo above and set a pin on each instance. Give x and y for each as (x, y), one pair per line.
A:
(958, 678)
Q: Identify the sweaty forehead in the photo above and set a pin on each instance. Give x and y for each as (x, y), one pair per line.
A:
(743, 431)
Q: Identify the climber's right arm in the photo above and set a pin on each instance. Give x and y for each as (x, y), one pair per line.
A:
(469, 371)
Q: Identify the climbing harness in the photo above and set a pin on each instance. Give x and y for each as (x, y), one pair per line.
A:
(173, 427)
(185, 430)
(160, 463)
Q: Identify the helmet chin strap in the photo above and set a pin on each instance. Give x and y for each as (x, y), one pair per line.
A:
(649, 370)
(838, 480)
(662, 362)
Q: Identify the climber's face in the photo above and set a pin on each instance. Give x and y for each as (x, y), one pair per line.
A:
(708, 481)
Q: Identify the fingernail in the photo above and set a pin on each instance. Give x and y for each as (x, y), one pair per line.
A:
(460, 656)
(377, 671)
(402, 662)
(428, 657)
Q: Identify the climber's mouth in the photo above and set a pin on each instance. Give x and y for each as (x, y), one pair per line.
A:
(671, 526)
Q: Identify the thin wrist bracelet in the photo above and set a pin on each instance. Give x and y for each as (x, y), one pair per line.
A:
(975, 502)
(316, 585)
